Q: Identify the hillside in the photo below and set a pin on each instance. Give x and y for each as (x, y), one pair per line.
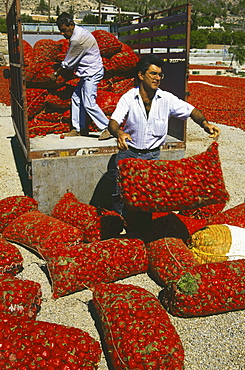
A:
(231, 12)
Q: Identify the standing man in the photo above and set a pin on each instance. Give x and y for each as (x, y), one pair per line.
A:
(84, 57)
(146, 110)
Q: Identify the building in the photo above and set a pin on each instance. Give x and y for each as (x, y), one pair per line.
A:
(108, 13)
(215, 27)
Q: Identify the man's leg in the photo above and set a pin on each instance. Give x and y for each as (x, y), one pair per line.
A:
(88, 97)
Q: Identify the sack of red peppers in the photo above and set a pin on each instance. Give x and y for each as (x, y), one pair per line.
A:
(162, 186)
(192, 289)
(95, 223)
(29, 344)
(11, 260)
(14, 206)
(19, 297)
(136, 328)
(32, 228)
(234, 216)
(80, 266)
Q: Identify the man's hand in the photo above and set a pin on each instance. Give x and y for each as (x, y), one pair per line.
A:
(213, 130)
(121, 136)
(121, 140)
(53, 77)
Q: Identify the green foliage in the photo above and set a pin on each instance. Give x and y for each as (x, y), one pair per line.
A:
(238, 53)
(199, 39)
(90, 19)
(43, 7)
(3, 25)
(26, 18)
(57, 10)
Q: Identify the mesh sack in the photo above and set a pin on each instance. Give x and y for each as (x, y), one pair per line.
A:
(95, 223)
(108, 43)
(124, 61)
(19, 297)
(107, 101)
(79, 265)
(48, 123)
(161, 186)
(45, 50)
(13, 207)
(63, 49)
(169, 259)
(234, 216)
(122, 86)
(11, 260)
(136, 329)
(43, 345)
(204, 212)
(36, 101)
(32, 228)
(40, 73)
(28, 52)
(207, 289)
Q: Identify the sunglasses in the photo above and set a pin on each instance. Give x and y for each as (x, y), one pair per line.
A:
(154, 74)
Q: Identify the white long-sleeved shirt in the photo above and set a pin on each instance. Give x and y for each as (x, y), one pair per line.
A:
(83, 53)
(149, 132)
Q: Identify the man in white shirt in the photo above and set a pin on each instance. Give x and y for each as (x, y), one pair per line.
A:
(84, 57)
(146, 110)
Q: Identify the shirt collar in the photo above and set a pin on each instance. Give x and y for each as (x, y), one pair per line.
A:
(157, 94)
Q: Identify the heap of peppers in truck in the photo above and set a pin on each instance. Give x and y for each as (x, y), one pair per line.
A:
(49, 103)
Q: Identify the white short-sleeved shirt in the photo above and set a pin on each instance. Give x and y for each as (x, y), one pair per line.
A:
(149, 132)
(83, 53)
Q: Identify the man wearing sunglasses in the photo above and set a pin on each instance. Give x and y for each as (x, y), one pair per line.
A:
(146, 110)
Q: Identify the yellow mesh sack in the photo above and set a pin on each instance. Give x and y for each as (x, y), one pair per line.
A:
(211, 243)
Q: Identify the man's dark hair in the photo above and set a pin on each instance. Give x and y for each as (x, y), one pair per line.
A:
(64, 18)
(145, 62)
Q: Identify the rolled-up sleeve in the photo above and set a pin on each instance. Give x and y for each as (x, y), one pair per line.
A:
(74, 54)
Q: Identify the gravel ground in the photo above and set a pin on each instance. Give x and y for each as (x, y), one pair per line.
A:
(215, 342)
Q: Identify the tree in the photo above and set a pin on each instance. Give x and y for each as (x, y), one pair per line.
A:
(57, 10)
(43, 7)
(238, 53)
(199, 39)
(3, 25)
(90, 19)
(26, 18)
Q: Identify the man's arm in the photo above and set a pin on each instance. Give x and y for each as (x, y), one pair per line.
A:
(199, 118)
(118, 133)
